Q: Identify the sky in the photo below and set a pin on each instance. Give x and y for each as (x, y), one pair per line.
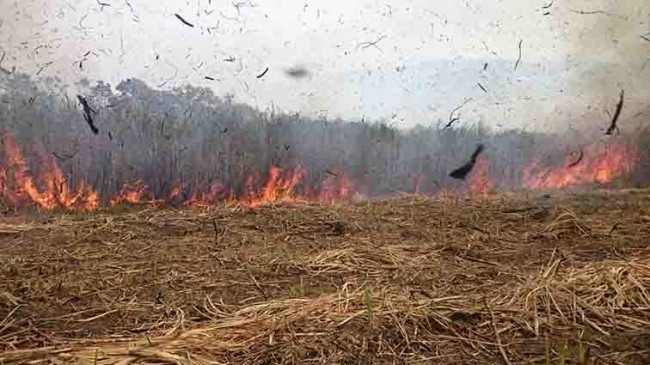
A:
(531, 64)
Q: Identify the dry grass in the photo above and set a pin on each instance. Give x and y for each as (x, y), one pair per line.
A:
(509, 279)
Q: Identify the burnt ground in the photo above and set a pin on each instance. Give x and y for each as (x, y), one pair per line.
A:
(513, 279)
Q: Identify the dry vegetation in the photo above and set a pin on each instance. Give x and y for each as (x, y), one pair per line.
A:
(506, 279)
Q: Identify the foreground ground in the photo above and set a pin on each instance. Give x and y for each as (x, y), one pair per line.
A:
(537, 279)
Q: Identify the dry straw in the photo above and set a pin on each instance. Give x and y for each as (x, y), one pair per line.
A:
(409, 280)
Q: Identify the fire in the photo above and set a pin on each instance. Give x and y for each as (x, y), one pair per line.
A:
(132, 193)
(337, 187)
(597, 165)
(48, 186)
(19, 187)
(479, 181)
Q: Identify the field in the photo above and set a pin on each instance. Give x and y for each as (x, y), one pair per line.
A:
(512, 279)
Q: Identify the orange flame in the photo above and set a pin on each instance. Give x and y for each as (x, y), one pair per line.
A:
(336, 187)
(132, 193)
(479, 181)
(20, 188)
(49, 187)
(598, 165)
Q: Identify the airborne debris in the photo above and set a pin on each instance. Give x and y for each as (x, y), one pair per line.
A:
(102, 4)
(365, 45)
(263, 73)
(209, 78)
(184, 21)
(519, 58)
(229, 59)
(129, 5)
(481, 86)
(297, 72)
(451, 121)
(87, 115)
(485, 66)
(241, 4)
(462, 172)
(617, 113)
(578, 160)
(329, 172)
(588, 12)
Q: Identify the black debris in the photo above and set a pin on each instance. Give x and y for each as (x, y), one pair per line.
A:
(87, 114)
(578, 160)
(297, 72)
(485, 66)
(613, 127)
(329, 172)
(519, 58)
(481, 86)
(184, 21)
(365, 45)
(286, 147)
(462, 172)
(263, 73)
(224, 131)
(102, 4)
(547, 6)
(209, 78)
(585, 12)
(64, 157)
(645, 37)
(229, 59)
(129, 5)
(110, 136)
(547, 13)
(451, 121)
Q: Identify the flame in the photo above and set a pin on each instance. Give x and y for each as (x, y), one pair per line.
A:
(337, 187)
(598, 165)
(479, 181)
(48, 186)
(19, 187)
(134, 193)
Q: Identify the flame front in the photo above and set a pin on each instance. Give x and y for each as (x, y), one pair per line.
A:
(49, 187)
(597, 165)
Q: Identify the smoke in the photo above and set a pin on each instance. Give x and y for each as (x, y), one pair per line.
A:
(605, 43)
(191, 138)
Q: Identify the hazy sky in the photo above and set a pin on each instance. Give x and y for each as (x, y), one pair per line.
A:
(429, 56)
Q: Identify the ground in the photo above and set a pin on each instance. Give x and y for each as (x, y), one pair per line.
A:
(513, 279)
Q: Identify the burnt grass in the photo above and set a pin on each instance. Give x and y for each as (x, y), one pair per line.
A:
(507, 278)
